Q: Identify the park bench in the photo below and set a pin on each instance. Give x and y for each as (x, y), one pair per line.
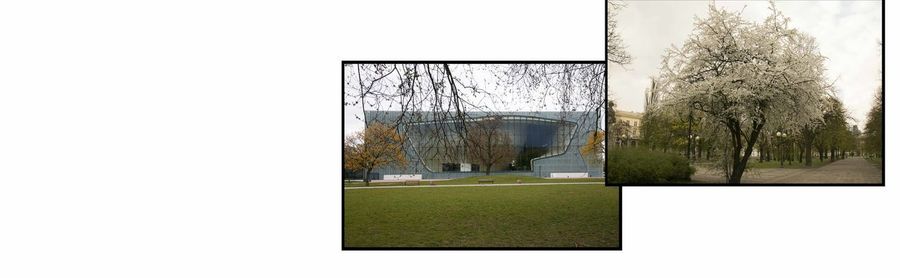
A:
(485, 181)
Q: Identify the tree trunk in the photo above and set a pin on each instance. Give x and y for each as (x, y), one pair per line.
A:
(690, 135)
(700, 151)
(740, 161)
(488, 170)
(366, 177)
(790, 154)
(808, 151)
(738, 169)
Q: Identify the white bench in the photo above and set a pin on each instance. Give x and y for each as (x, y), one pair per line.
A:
(402, 177)
(569, 175)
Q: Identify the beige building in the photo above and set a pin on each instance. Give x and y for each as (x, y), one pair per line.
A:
(628, 130)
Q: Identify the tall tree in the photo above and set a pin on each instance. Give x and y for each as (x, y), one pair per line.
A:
(615, 47)
(743, 76)
(378, 145)
(835, 130)
(487, 144)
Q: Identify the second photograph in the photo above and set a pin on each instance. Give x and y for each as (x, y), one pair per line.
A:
(745, 92)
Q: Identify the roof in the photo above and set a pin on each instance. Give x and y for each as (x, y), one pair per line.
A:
(629, 114)
(424, 116)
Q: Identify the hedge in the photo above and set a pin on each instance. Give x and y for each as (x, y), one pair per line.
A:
(640, 165)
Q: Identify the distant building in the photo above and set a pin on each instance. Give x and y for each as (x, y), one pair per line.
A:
(628, 128)
(547, 144)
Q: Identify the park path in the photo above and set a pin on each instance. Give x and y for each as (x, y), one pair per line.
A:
(466, 185)
(849, 170)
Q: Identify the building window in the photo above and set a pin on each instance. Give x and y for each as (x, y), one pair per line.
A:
(450, 167)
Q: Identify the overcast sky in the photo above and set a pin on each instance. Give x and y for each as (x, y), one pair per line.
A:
(847, 32)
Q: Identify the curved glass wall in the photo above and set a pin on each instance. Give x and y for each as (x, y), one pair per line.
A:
(441, 148)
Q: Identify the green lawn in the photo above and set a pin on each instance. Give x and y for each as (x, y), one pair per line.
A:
(562, 216)
(498, 179)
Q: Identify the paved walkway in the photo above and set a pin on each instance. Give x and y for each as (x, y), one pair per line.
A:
(467, 185)
(850, 170)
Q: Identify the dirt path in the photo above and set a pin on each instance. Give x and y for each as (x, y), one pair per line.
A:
(850, 170)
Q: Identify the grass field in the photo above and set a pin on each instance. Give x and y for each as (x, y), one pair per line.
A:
(498, 179)
(550, 216)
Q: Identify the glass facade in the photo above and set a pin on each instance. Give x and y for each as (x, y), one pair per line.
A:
(441, 148)
(543, 143)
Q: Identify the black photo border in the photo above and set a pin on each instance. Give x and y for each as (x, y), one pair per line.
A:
(344, 246)
(678, 184)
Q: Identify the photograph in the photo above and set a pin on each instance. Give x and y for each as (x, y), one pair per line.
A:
(478, 139)
(476, 155)
(745, 92)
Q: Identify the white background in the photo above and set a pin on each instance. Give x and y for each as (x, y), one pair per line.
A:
(201, 139)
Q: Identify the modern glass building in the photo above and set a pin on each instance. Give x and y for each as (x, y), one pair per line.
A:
(545, 144)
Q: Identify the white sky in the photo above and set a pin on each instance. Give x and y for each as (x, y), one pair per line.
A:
(847, 33)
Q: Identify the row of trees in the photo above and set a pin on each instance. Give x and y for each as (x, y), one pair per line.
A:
(873, 141)
(874, 129)
(832, 137)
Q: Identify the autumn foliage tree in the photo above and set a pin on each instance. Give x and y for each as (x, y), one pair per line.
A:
(593, 147)
(378, 145)
(487, 144)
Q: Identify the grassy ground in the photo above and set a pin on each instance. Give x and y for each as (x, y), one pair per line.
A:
(518, 216)
(753, 164)
(498, 179)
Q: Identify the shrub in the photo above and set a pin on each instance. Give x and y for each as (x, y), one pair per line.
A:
(640, 165)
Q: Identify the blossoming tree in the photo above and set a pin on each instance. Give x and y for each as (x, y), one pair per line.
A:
(743, 77)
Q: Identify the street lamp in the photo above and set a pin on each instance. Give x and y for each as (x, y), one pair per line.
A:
(699, 147)
(690, 150)
(780, 137)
